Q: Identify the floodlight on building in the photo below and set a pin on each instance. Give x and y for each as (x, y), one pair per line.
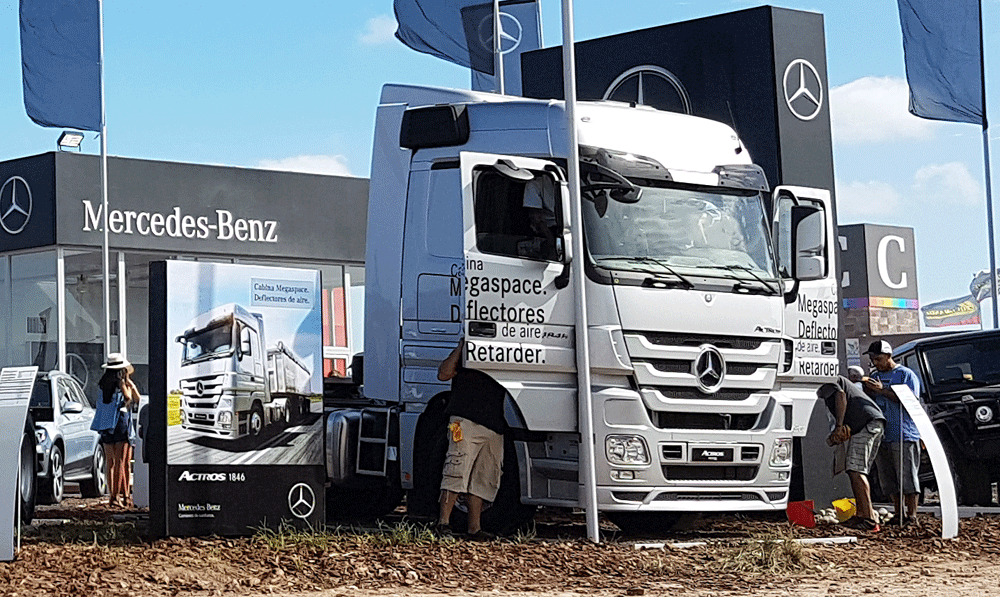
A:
(70, 139)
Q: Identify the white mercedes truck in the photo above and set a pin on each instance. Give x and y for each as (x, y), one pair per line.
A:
(695, 270)
(231, 386)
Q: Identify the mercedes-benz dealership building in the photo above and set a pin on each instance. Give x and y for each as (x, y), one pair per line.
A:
(51, 274)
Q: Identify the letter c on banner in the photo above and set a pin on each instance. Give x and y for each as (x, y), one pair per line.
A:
(883, 265)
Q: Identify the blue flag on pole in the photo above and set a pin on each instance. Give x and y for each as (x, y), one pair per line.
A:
(436, 27)
(61, 63)
(942, 48)
(520, 31)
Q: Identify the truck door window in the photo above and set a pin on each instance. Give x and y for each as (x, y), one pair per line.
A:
(910, 361)
(515, 218)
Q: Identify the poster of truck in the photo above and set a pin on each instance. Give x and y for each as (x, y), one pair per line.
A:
(244, 365)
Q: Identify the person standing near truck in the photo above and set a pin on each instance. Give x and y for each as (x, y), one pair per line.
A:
(860, 423)
(898, 461)
(475, 450)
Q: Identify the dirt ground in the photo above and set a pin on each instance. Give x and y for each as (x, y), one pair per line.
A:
(82, 548)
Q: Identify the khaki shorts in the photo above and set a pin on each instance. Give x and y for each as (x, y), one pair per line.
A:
(473, 465)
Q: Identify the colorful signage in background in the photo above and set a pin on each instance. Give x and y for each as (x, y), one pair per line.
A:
(239, 408)
(960, 311)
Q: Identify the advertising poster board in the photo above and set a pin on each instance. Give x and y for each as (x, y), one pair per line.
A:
(235, 435)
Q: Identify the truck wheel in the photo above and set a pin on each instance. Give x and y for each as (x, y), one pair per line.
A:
(430, 447)
(29, 476)
(255, 424)
(52, 485)
(97, 484)
(506, 514)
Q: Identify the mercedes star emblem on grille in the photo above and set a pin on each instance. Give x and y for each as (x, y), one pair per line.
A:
(709, 369)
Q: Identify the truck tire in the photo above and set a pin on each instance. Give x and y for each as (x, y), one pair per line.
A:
(430, 446)
(53, 484)
(506, 514)
(28, 472)
(255, 423)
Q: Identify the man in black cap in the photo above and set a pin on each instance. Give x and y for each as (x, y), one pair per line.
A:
(860, 423)
(898, 461)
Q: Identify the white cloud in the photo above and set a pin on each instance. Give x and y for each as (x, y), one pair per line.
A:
(947, 184)
(311, 164)
(861, 199)
(874, 109)
(378, 30)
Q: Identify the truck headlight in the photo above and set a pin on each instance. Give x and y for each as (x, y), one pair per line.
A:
(781, 452)
(984, 414)
(226, 419)
(626, 449)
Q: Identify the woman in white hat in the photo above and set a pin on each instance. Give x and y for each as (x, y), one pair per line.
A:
(113, 420)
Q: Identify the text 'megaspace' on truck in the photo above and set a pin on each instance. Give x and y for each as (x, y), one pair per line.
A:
(699, 284)
(232, 386)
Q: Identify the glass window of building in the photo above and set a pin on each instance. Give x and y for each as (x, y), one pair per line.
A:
(34, 323)
(84, 320)
(4, 309)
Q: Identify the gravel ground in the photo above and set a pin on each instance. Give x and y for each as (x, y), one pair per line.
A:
(85, 548)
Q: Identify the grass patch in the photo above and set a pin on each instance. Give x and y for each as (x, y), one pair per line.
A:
(768, 553)
(97, 533)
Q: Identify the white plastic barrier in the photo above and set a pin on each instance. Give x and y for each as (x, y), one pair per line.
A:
(942, 471)
(15, 392)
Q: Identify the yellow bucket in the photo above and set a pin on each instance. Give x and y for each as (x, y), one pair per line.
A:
(845, 508)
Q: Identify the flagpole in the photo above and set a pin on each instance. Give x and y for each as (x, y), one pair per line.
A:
(585, 409)
(497, 56)
(986, 168)
(104, 190)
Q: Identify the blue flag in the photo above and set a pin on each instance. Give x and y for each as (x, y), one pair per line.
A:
(436, 27)
(942, 48)
(520, 31)
(61, 63)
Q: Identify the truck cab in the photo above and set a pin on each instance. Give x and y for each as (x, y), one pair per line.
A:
(469, 235)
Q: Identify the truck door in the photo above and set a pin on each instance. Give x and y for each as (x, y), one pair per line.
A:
(811, 310)
(518, 311)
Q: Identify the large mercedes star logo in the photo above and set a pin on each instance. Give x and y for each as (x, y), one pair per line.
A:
(510, 32)
(646, 82)
(301, 500)
(15, 204)
(803, 89)
(709, 369)
(199, 388)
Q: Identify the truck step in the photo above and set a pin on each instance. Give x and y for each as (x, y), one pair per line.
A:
(373, 442)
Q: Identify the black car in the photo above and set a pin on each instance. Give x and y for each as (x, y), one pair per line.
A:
(960, 390)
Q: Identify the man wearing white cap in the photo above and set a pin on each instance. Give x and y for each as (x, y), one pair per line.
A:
(898, 461)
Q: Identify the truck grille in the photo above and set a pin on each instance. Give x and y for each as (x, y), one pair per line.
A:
(202, 391)
(665, 370)
(721, 421)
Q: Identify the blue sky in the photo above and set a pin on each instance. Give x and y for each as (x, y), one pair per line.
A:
(294, 86)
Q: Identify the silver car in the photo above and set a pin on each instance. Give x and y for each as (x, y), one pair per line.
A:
(67, 449)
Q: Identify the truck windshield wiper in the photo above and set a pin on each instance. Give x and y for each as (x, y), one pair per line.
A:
(741, 282)
(684, 282)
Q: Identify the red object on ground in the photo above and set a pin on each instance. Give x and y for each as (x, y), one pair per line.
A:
(801, 513)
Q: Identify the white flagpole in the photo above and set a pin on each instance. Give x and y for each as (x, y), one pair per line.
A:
(497, 56)
(585, 407)
(104, 191)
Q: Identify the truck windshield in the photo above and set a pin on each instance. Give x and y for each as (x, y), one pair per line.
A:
(708, 231)
(210, 343)
(961, 366)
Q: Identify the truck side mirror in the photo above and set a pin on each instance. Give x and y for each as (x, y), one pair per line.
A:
(245, 346)
(809, 242)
